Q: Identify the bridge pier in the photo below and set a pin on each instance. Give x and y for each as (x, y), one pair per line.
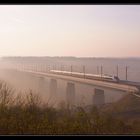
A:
(70, 93)
(41, 84)
(98, 97)
(53, 88)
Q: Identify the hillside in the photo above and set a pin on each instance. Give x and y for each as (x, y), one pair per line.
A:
(128, 107)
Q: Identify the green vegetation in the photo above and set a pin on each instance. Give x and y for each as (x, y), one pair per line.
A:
(26, 114)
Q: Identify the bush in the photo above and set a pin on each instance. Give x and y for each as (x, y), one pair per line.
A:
(26, 114)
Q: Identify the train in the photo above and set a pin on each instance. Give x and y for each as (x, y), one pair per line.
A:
(103, 77)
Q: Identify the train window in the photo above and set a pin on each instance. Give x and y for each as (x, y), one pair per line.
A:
(107, 78)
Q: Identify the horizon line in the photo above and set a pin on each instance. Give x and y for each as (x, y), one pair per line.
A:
(75, 56)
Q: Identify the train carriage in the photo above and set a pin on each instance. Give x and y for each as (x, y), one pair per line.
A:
(103, 77)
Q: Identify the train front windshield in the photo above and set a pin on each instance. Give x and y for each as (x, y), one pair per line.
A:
(115, 77)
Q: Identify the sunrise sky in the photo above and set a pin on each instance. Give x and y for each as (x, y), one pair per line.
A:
(70, 30)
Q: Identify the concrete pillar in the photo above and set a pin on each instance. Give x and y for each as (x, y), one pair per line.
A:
(53, 88)
(41, 84)
(98, 97)
(70, 93)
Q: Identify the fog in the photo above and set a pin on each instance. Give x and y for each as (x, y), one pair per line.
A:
(23, 82)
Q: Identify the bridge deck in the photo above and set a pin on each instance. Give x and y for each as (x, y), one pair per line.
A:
(104, 84)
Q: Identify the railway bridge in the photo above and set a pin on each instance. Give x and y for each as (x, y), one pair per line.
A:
(98, 97)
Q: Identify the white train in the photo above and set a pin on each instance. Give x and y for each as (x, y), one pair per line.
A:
(103, 77)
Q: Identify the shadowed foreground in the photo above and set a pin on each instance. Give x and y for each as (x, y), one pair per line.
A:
(26, 114)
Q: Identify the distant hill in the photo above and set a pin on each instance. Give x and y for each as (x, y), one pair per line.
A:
(65, 57)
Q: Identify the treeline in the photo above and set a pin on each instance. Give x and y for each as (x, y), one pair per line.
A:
(18, 58)
(39, 58)
(26, 114)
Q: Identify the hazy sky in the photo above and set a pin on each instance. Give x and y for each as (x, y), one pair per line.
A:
(70, 30)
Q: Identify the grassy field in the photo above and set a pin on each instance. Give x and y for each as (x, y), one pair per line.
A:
(26, 114)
